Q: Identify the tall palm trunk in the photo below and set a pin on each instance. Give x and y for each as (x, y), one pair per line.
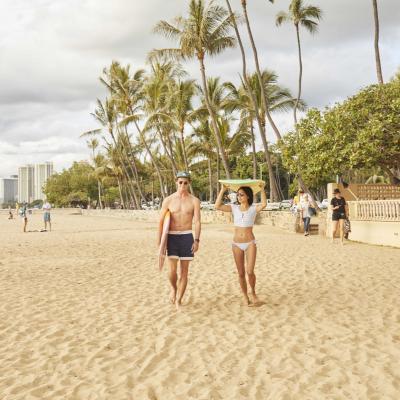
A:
(258, 69)
(213, 119)
(130, 184)
(168, 152)
(174, 167)
(132, 165)
(217, 172)
(120, 192)
(210, 179)
(182, 140)
(300, 74)
(376, 43)
(153, 161)
(261, 125)
(99, 193)
(254, 154)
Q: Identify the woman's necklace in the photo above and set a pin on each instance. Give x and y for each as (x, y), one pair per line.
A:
(243, 212)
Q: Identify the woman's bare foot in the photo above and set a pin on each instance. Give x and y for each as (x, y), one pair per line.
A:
(172, 296)
(246, 300)
(178, 305)
(254, 300)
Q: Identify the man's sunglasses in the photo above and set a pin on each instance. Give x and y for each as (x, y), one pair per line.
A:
(183, 182)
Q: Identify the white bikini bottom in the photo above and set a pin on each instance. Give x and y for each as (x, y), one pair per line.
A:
(244, 246)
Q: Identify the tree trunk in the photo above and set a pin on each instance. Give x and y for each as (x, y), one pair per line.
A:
(182, 140)
(217, 172)
(210, 179)
(213, 119)
(376, 43)
(131, 188)
(133, 166)
(254, 154)
(168, 152)
(300, 74)
(264, 95)
(99, 193)
(261, 126)
(120, 193)
(163, 195)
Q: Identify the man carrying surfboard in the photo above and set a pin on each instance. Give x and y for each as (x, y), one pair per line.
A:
(183, 209)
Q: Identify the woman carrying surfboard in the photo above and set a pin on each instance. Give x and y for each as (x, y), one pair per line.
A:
(244, 243)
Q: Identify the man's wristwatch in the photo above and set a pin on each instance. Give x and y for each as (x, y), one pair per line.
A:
(197, 240)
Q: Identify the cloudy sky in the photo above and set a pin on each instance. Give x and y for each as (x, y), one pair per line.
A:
(52, 53)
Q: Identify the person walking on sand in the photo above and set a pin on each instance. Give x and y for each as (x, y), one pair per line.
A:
(244, 243)
(339, 214)
(23, 212)
(184, 209)
(46, 215)
(305, 206)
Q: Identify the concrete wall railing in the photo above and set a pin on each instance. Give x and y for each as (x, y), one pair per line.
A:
(285, 220)
(374, 210)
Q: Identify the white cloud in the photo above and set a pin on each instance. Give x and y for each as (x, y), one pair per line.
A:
(54, 51)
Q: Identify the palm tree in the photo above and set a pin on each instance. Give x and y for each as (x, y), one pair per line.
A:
(251, 96)
(205, 31)
(93, 144)
(123, 86)
(308, 17)
(128, 99)
(205, 147)
(157, 103)
(106, 114)
(376, 42)
(258, 68)
(279, 99)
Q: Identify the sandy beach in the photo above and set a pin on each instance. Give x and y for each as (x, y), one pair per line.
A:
(84, 314)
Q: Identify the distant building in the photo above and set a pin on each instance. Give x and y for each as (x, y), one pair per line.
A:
(26, 183)
(42, 173)
(8, 190)
(31, 179)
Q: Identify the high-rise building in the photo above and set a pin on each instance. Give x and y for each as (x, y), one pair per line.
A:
(31, 179)
(26, 183)
(42, 173)
(8, 190)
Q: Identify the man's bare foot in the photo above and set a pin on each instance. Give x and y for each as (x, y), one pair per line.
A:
(172, 296)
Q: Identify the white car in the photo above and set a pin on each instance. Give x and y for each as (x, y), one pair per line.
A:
(324, 204)
(206, 205)
(285, 205)
(272, 206)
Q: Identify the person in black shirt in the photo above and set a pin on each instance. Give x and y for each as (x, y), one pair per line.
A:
(339, 214)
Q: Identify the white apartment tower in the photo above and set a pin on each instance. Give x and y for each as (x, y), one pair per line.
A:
(8, 190)
(42, 173)
(31, 179)
(26, 183)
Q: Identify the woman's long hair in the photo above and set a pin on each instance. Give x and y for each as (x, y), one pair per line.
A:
(249, 193)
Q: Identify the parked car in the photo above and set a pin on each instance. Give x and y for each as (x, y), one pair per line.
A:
(324, 204)
(272, 206)
(285, 204)
(206, 205)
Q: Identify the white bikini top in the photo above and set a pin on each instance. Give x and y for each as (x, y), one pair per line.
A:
(244, 219)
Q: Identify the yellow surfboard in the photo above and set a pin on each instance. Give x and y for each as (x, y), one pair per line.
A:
(235, 184)
(162, 251)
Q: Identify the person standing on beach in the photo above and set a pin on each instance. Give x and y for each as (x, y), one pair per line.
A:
(46, 215)
(305, 206)
(244, 244)
(339, 214)
(23, 212)
(184, 209)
